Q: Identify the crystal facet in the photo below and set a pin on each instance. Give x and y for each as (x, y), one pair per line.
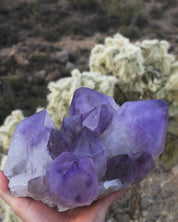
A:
(138, 126)
(72, 179)
(99, 149)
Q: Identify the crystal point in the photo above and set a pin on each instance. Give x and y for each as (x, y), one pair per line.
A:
(73, 179)
(87, 144)
(85, 100)
(59, 142)
(27, 152)
(138, 126)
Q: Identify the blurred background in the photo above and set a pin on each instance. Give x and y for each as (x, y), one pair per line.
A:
(43, 40)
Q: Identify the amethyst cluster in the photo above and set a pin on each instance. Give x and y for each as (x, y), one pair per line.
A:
(99, 149)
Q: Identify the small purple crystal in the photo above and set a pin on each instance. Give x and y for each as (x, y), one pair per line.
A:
(99, 149)
(86, 100)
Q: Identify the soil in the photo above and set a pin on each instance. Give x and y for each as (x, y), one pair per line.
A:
(42, 41)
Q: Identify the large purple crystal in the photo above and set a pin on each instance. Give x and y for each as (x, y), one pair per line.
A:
(99, 149)
(72, 179)
(138, 126)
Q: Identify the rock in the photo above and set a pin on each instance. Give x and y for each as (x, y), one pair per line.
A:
(175, 170)
(53, 76)
(41, 74)
(61, 57)
(122, 218)
(69, 66)
(6, 60)
(20, 60)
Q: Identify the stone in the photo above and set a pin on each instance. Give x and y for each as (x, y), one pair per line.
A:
(21, 61)
(100, 148)
(53, 76)
(41, 74)
(61, 56)
(69, 66)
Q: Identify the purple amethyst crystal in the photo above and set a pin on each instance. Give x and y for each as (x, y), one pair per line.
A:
(138, 126)
(87, 144)
(59, 142)
(28, 151)
(99, 119)
(120, 167)
(99, 149)
(86, 100)
(72, 124)
(72, 179)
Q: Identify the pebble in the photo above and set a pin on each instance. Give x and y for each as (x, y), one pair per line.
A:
(69, 66)
(41, 74)
(53, 76)
(61, 57)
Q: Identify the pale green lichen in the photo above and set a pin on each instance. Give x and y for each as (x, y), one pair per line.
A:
(143, 66)
(156, 54)
(119, 57)
(171, 90)
(5, 211)
(6, 134)
(8, 128)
